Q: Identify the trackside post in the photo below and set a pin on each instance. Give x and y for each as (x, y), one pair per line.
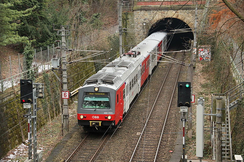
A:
(184, 102)
(29, 95)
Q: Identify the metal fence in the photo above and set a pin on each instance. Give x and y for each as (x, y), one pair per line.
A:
(13, 69)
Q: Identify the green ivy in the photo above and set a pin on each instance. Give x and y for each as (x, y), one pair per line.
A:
(95, 21)
(29, 55)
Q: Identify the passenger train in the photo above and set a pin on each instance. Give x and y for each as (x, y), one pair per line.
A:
(106, 96)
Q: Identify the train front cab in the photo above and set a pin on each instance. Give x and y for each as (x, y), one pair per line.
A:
(98, 110)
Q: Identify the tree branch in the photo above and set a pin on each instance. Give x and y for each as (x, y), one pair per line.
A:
(233, 10)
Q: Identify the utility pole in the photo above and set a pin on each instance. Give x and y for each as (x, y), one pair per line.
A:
(120, 28)
(205, 11)
(65, 108)
(190, 69)
(219, 127)
(195, 35)
(29, 130)
(34, 125)
(183, 109)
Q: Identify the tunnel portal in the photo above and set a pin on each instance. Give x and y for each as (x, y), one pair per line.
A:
(180, 34)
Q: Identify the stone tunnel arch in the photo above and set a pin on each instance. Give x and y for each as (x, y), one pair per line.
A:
(180, 33)
(145, 21)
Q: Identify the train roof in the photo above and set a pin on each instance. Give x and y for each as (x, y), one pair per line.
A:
(112, 73)
(116, 72)
(149, 43)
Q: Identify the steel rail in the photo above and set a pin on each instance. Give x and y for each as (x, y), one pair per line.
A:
(80, 145)
(167, 114)
(76, 149)
(116, 129)
(99, 148)
(145, 125)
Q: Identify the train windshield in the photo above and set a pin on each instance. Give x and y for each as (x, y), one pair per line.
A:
(96, 100)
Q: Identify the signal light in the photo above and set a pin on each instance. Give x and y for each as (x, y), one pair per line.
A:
(26, 91)
(184, 94)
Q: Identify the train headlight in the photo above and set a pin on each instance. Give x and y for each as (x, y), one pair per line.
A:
(81, 116)
(109, 117)
(96, 89)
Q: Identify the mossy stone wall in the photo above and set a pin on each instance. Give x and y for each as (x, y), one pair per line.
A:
(13, 126)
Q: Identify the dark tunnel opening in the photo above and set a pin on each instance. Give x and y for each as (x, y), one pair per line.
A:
(180, 34)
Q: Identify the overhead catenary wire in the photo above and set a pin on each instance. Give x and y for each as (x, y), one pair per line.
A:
(89, 57)
(85, 59)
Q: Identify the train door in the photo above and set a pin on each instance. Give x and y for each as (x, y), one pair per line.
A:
(139, 78)
(126, 100)
(160, 50)
(151, 62)
(144, 70)
(119, 102)
(153, 59)
(164, 46)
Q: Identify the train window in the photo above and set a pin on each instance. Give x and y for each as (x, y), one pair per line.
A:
(117, 98)
(143, 69)
(153, 56)
(126, 90)
(123, 93)
(97, 101)
(147, 63)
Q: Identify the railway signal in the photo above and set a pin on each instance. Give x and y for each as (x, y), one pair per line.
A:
(29, 92)
(184, 101)
(26, 91)
(39, 90)
(184, 94)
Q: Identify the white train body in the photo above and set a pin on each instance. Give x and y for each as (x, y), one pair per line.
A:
(118, 83)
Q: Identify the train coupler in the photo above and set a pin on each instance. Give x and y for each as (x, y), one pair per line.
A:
(95, 124)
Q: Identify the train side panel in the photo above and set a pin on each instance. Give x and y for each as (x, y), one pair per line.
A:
(145, 70)
(119, 104)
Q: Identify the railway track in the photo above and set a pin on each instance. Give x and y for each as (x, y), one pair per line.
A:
(152, 135)
(88, 148)
(134, 142)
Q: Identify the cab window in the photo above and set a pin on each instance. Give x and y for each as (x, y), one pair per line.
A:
(99, 101)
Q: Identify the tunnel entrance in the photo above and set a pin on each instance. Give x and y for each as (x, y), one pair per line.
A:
(180, 34)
